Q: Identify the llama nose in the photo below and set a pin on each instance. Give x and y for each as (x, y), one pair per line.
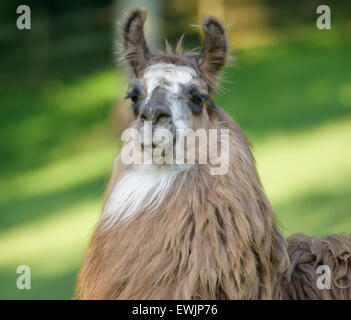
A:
(157, 114)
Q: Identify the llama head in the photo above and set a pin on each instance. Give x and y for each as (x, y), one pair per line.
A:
(173, 91)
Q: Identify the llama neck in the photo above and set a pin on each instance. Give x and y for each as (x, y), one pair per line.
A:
(213, 236)
(188, 234)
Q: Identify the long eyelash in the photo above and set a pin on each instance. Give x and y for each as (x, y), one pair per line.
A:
(201, 97)
(129, 95)
(204, 97)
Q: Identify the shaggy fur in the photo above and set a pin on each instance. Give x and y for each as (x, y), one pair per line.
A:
(207, 237)
(212, 237)
(306, 254)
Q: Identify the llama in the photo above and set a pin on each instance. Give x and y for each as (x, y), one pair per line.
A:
(179, 232)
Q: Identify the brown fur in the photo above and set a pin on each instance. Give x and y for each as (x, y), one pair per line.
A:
(306, 255)
(212, 237)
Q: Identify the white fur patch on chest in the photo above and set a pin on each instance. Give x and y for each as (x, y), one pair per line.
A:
(140, 189)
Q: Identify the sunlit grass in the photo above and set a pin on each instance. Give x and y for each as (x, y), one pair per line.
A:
(307, 177)
(84, 95)
(292, 165)
(53, 245)
(65, 173)
(53, 248)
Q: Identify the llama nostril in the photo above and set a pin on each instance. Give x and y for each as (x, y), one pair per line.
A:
(162, 119)
(157, 114)
(145, 114)
(143, 117)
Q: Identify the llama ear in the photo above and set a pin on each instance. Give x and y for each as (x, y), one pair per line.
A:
(136, 51)
(214, 52)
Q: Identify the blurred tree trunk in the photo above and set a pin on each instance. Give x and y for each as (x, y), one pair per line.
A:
(39, 49)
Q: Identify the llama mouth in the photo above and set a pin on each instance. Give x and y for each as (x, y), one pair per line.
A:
(152, 146)
(152, 142)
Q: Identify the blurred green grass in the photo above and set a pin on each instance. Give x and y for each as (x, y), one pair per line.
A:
(292, 100)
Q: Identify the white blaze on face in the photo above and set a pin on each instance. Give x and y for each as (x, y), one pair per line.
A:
(172, 77)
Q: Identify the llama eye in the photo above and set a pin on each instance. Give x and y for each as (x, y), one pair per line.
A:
(196, 104)
(133, 95)
(197, 99)
(134, 99)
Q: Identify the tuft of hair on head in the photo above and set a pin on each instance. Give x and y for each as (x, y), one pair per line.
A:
(179, 46)
(214, 55)
(177, 51)
(168, 48)
(136, 51)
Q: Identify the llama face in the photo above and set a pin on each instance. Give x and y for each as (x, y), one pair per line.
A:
(168, 97)
(175, 87)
